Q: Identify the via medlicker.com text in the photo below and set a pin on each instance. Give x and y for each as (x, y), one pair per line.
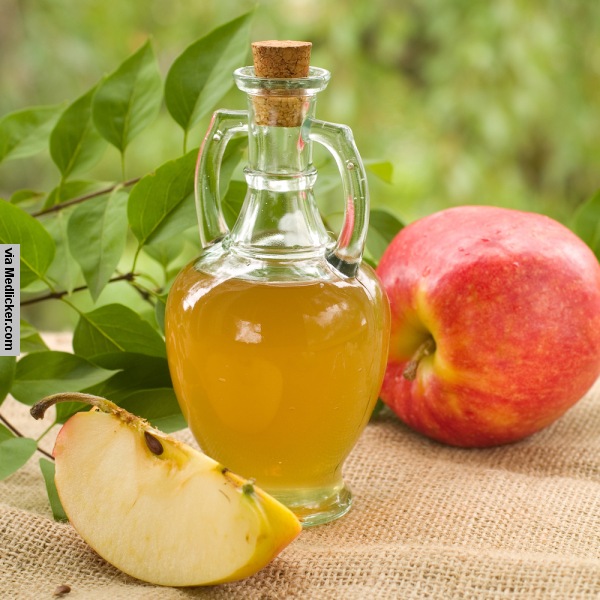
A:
(10, 299)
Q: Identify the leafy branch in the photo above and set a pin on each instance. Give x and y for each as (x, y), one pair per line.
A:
(61, 294)
(82, 230)
(75, 237)
(20, 435)
(84, 197)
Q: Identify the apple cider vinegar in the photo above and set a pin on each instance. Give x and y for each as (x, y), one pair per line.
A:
(276, 381)
(277, 333)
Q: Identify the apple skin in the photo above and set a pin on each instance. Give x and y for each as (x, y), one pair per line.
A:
(512, 302)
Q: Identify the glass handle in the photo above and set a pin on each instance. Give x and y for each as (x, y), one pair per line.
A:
(224, 125)
(346, 255)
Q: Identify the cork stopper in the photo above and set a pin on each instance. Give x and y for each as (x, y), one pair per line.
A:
(281, 59)
(275, 59)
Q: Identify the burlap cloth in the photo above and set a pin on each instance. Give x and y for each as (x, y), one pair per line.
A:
(428, 521)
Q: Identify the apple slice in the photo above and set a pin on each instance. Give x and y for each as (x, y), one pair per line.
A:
(156, 508)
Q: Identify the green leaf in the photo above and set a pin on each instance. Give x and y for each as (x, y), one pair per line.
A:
(382, 169)
(75, 144)
(138, 372)
(234, 152)
(5, 433)
(233, 200)
(159, 406)
(97, 234)
(31, 340)
(201, 75)
(233, 191)
(165, 252)
(370, 261)
(383, 227)
(37, 246)
(182, 218)
(328, 179)
(379, 406)
(47, 468)
(43, 373)
(115, 328)
(123, 360)
(64, 270)
(161, 204)
(14, 453)
(25, 132)
(7, 374)
(29, 200)
(586, 223)
(129, 99)
(26, 195)
(159, 311)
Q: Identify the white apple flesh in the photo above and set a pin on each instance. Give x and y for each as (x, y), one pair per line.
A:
(156, 508)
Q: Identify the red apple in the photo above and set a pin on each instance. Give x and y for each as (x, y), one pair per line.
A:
(495, 324)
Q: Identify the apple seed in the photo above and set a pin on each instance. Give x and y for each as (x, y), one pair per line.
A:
(153, 444)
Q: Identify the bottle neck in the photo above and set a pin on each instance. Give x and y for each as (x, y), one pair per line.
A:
(275, 143)
(279, 217)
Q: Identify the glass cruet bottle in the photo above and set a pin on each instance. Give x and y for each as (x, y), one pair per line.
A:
(277, 333)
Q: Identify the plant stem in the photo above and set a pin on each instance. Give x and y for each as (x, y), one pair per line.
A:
(85, 197)
(425, 349)
(136, 256)
(150, 279)
(59, 295)
(144, 292)
(45, 431)
(19, 434)
(45, 453)
(11, 426)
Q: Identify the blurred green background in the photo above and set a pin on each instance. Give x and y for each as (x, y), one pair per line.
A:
(472, 102)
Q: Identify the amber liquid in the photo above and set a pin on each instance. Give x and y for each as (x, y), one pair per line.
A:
(276, 381)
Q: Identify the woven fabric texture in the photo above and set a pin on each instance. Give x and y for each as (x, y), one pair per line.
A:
(428, 521)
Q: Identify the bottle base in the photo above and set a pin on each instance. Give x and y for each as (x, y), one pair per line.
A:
(316, 507)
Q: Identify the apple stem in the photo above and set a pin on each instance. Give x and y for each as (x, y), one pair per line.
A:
(425, 349)
(39, 408)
